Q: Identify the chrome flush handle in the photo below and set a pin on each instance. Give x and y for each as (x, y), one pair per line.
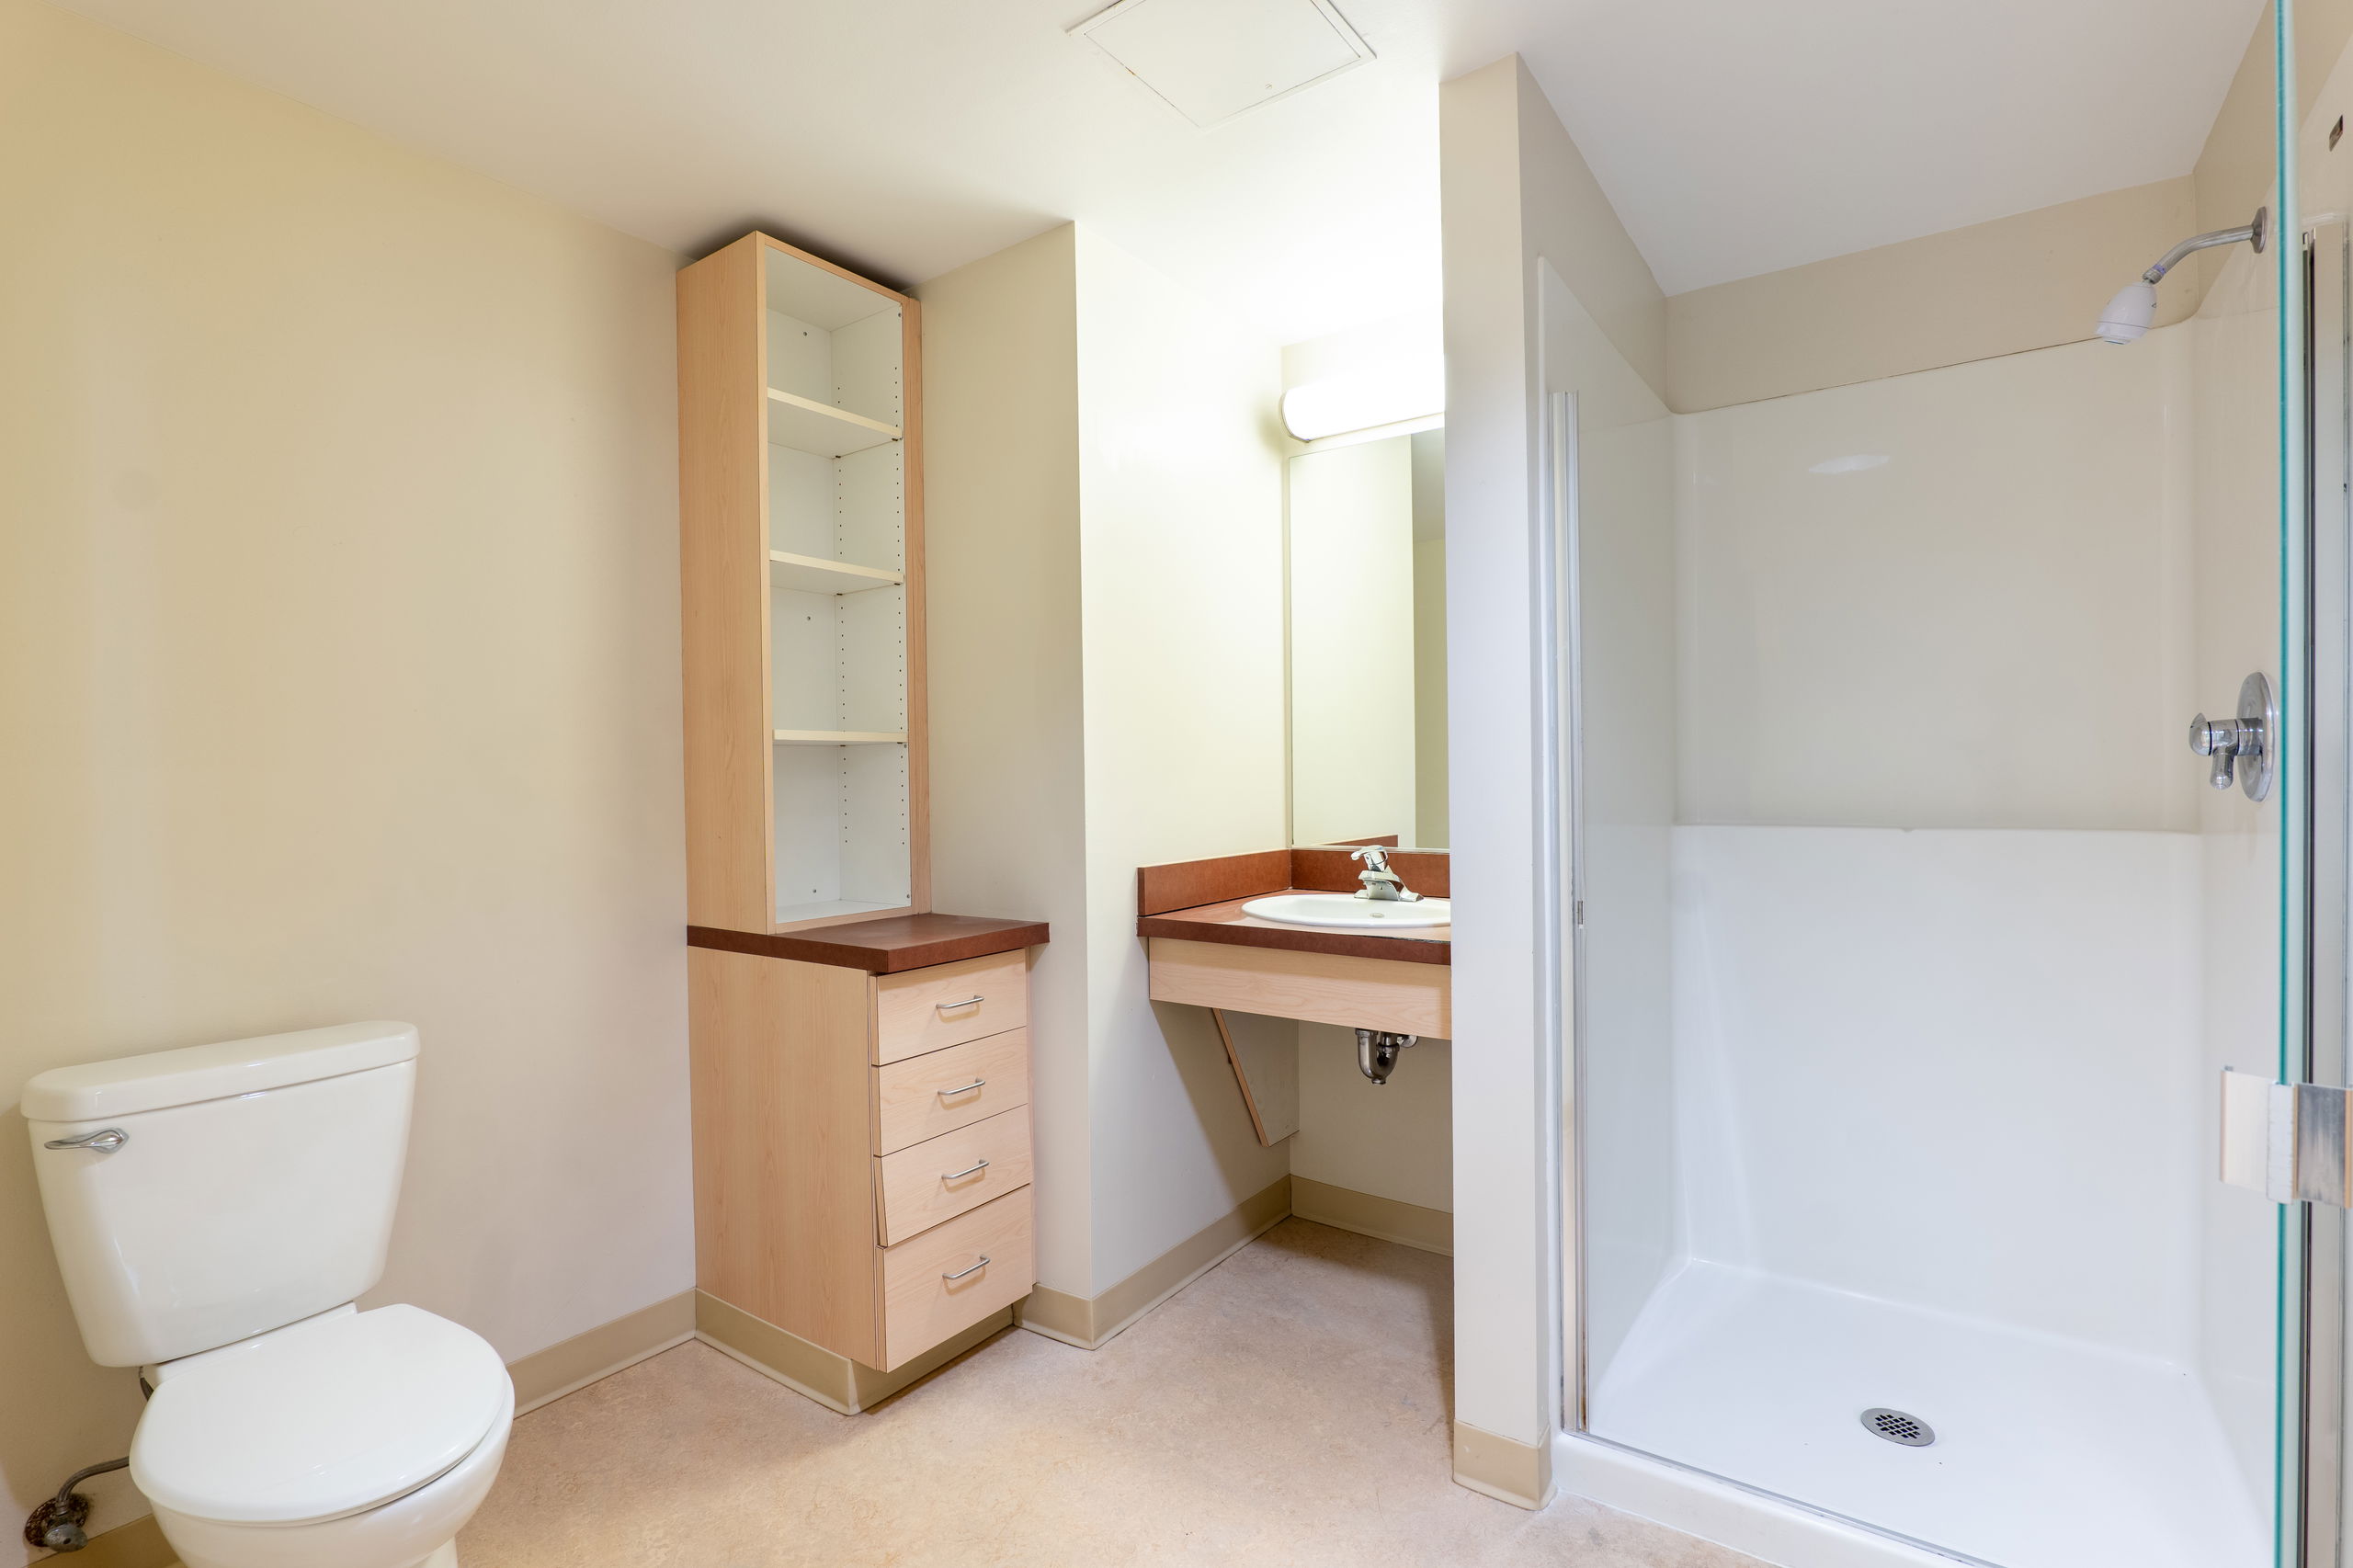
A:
(106, 1141)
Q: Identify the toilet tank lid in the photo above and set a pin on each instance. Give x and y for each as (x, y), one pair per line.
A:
(131, 1084)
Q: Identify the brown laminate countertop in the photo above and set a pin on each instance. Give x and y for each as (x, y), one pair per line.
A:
(887, 946)
(1226, 923)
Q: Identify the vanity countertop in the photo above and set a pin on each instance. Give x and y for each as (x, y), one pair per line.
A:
(1226, 923)
(889, 945)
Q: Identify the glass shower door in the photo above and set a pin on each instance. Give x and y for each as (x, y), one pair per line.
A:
(1895, 1102)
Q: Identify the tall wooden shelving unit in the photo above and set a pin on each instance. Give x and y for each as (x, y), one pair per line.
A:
(860, 1063)
(800, 451)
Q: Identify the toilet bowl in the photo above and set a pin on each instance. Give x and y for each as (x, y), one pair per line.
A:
(349, 1440)
(217, 1210)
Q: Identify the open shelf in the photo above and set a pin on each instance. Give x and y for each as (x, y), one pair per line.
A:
(807, 425)
(815, 574)
(841, 737)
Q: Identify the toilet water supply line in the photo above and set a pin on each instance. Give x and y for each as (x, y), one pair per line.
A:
(56, 1525)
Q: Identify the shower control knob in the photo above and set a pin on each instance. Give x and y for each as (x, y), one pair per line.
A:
(2219, 741)
(2240, 747)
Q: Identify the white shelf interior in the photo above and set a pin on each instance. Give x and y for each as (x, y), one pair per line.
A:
(838, 597)
(832, 345)
(841, 830)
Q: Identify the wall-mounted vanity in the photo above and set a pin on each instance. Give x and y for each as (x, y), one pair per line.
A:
(1378, 973)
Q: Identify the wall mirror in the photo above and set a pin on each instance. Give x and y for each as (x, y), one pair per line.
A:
(1367, 643)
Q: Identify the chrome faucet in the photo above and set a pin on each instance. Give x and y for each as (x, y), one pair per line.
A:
(1379, 881)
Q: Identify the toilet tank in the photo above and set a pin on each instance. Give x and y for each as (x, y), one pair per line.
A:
(253, 1184)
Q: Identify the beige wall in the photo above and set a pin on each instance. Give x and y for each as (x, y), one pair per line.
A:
(1515, 194)
(1390, 1139)
(2002, 287)
(1105, 486)
(1008, 778)
(338, 576)
(1181, 551)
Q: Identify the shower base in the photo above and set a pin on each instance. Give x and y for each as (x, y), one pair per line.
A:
(2049, 1453)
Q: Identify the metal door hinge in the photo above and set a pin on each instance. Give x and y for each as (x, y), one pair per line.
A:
(2286, 1140)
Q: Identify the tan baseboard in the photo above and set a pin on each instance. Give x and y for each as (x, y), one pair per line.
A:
(1407, 1224)
(1511, 1471)
(138, 1544)
(1088, 1323)
(572, 1364)
(835, 1381)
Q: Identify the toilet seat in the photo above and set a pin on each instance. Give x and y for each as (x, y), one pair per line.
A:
(331, 1417)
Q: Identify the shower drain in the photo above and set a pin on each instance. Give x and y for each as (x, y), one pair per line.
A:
(1897, 1427)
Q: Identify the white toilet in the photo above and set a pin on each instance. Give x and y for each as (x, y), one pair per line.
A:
(216, 1213)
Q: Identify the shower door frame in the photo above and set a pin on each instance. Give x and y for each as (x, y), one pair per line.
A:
(2323, 411)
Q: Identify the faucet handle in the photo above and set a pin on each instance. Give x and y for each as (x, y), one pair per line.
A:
(1374, 856)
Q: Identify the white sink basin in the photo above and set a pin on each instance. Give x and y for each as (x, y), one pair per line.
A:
(1348, 911)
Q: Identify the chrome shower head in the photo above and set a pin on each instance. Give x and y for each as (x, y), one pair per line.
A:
(2130, 313)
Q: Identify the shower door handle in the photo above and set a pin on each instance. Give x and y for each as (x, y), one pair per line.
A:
(2241, 745)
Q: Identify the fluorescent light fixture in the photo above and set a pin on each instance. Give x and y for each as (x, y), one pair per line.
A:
(1210, 60)
(1411, 389)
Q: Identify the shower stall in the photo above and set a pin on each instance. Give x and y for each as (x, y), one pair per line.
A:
(1910, 942)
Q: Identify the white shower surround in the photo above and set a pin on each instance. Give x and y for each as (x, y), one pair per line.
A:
(1940, 1145)
(1933, 1131)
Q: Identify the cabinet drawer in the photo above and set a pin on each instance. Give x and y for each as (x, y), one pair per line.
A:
(930, 1009)
(921, 1306)
(926, 1095)
(914, 1189)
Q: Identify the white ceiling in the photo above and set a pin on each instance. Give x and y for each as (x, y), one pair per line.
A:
(905, 136)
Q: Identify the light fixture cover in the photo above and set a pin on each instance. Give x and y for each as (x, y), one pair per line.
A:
(1210, 60)
(1340, 405)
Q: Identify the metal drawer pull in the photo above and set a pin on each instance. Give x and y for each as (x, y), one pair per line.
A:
(974, 1270)
(950, 1007)
(106, 1141)
(975, 1084)
(960, 1176)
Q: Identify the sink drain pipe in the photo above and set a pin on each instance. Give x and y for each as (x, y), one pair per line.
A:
(1377, 1052)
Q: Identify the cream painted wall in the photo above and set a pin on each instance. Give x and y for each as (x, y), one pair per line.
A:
(1181, 521)
(339, 593)
(1001, 525)
(1352, 646)
(1516, 194)
(1884, 585)
(1390, 1139)
(2028, 281)
(1103, 476)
